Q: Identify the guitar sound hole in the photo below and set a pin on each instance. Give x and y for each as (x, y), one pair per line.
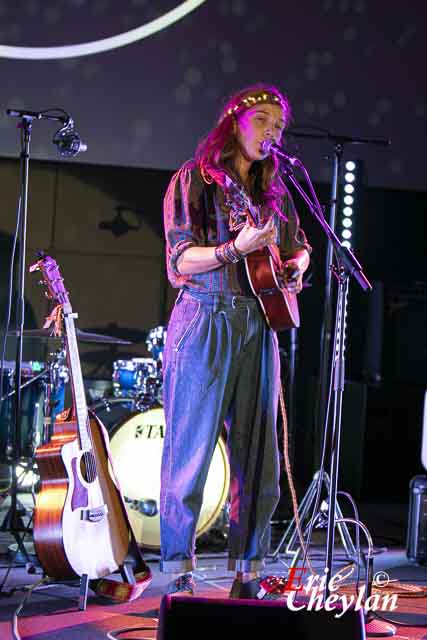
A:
(88, 466)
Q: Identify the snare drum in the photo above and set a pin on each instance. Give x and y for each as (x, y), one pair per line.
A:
(136, 449)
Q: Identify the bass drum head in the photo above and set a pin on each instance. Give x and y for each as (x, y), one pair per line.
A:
(136, 448)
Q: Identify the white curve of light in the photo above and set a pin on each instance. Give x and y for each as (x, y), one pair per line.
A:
(106, 44)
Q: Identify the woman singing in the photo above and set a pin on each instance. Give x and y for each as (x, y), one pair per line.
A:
(221, 361)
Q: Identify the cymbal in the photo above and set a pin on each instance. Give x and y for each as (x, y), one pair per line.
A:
(136, 335)
(82, 336)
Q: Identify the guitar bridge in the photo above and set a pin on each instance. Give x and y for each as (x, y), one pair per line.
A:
(94, 515)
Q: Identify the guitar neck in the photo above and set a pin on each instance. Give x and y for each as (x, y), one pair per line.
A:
(77, 384)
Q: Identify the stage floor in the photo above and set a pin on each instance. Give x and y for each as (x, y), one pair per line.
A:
(51, 612)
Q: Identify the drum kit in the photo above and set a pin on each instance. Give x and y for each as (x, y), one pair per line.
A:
(134, 417)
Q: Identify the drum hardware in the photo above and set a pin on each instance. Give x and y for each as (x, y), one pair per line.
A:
(10, 372)
(155, 342)
(5, 481)
(28, 477)
(146, 507)
(32, 393)
(42, 398)
(217, 535)
(97, 389)
(55, 392)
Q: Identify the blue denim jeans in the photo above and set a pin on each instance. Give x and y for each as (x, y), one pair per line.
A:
(221, 366)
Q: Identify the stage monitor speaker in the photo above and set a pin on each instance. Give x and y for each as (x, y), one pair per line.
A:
(194, 618)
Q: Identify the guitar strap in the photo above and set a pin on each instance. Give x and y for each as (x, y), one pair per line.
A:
(126, 591)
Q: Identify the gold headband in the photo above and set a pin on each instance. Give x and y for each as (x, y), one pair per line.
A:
(250, 101)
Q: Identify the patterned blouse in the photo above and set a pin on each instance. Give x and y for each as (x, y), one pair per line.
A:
(200, 214)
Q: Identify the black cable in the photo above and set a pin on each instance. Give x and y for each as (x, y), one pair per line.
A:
(113, 635)
(9, 301)
(15, 630)
(54, 111)
(356, 517)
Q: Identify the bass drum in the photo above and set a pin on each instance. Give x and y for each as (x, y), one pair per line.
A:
(136, 442)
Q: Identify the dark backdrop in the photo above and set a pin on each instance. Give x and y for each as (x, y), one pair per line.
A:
(349, 66)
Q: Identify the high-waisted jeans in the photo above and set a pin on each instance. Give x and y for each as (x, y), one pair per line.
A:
(221, 365)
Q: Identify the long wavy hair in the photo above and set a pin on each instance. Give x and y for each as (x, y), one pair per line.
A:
(215, 153)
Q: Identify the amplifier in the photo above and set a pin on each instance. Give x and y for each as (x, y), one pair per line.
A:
(416, 542)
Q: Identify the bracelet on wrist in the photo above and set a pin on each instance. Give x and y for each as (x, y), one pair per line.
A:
(237, 251)
(220, 254)
(227, 253)
(231, 252)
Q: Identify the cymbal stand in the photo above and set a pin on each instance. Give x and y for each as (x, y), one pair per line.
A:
(346, 266)
(24, 386)
(54, 395)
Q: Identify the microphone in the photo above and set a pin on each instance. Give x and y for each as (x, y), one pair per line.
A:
(269, 147)
(68, 141)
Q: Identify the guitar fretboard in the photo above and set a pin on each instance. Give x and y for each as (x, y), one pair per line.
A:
(77, 384)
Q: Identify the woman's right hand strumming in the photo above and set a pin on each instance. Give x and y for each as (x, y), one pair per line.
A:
(251, 238)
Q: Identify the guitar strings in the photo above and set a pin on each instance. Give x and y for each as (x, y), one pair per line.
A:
(89, 460)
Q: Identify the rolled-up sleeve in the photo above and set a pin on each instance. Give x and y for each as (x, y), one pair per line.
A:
(183, 210)
(292, 237)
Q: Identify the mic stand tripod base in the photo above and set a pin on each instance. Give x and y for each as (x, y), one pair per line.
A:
(290, 535)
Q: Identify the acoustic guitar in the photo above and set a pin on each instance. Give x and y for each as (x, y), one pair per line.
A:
(80, 522)
(264, 268)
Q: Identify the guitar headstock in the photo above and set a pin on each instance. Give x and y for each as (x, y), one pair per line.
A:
(52, 279)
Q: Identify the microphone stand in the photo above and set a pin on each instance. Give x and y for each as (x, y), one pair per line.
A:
(346, 266)
(326, 330)
(13, 522)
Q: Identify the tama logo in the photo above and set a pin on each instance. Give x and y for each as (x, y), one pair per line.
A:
(149, 431)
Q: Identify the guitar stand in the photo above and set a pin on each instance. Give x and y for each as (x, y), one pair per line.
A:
(84, 583)
(127, 576)
(84, 586)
